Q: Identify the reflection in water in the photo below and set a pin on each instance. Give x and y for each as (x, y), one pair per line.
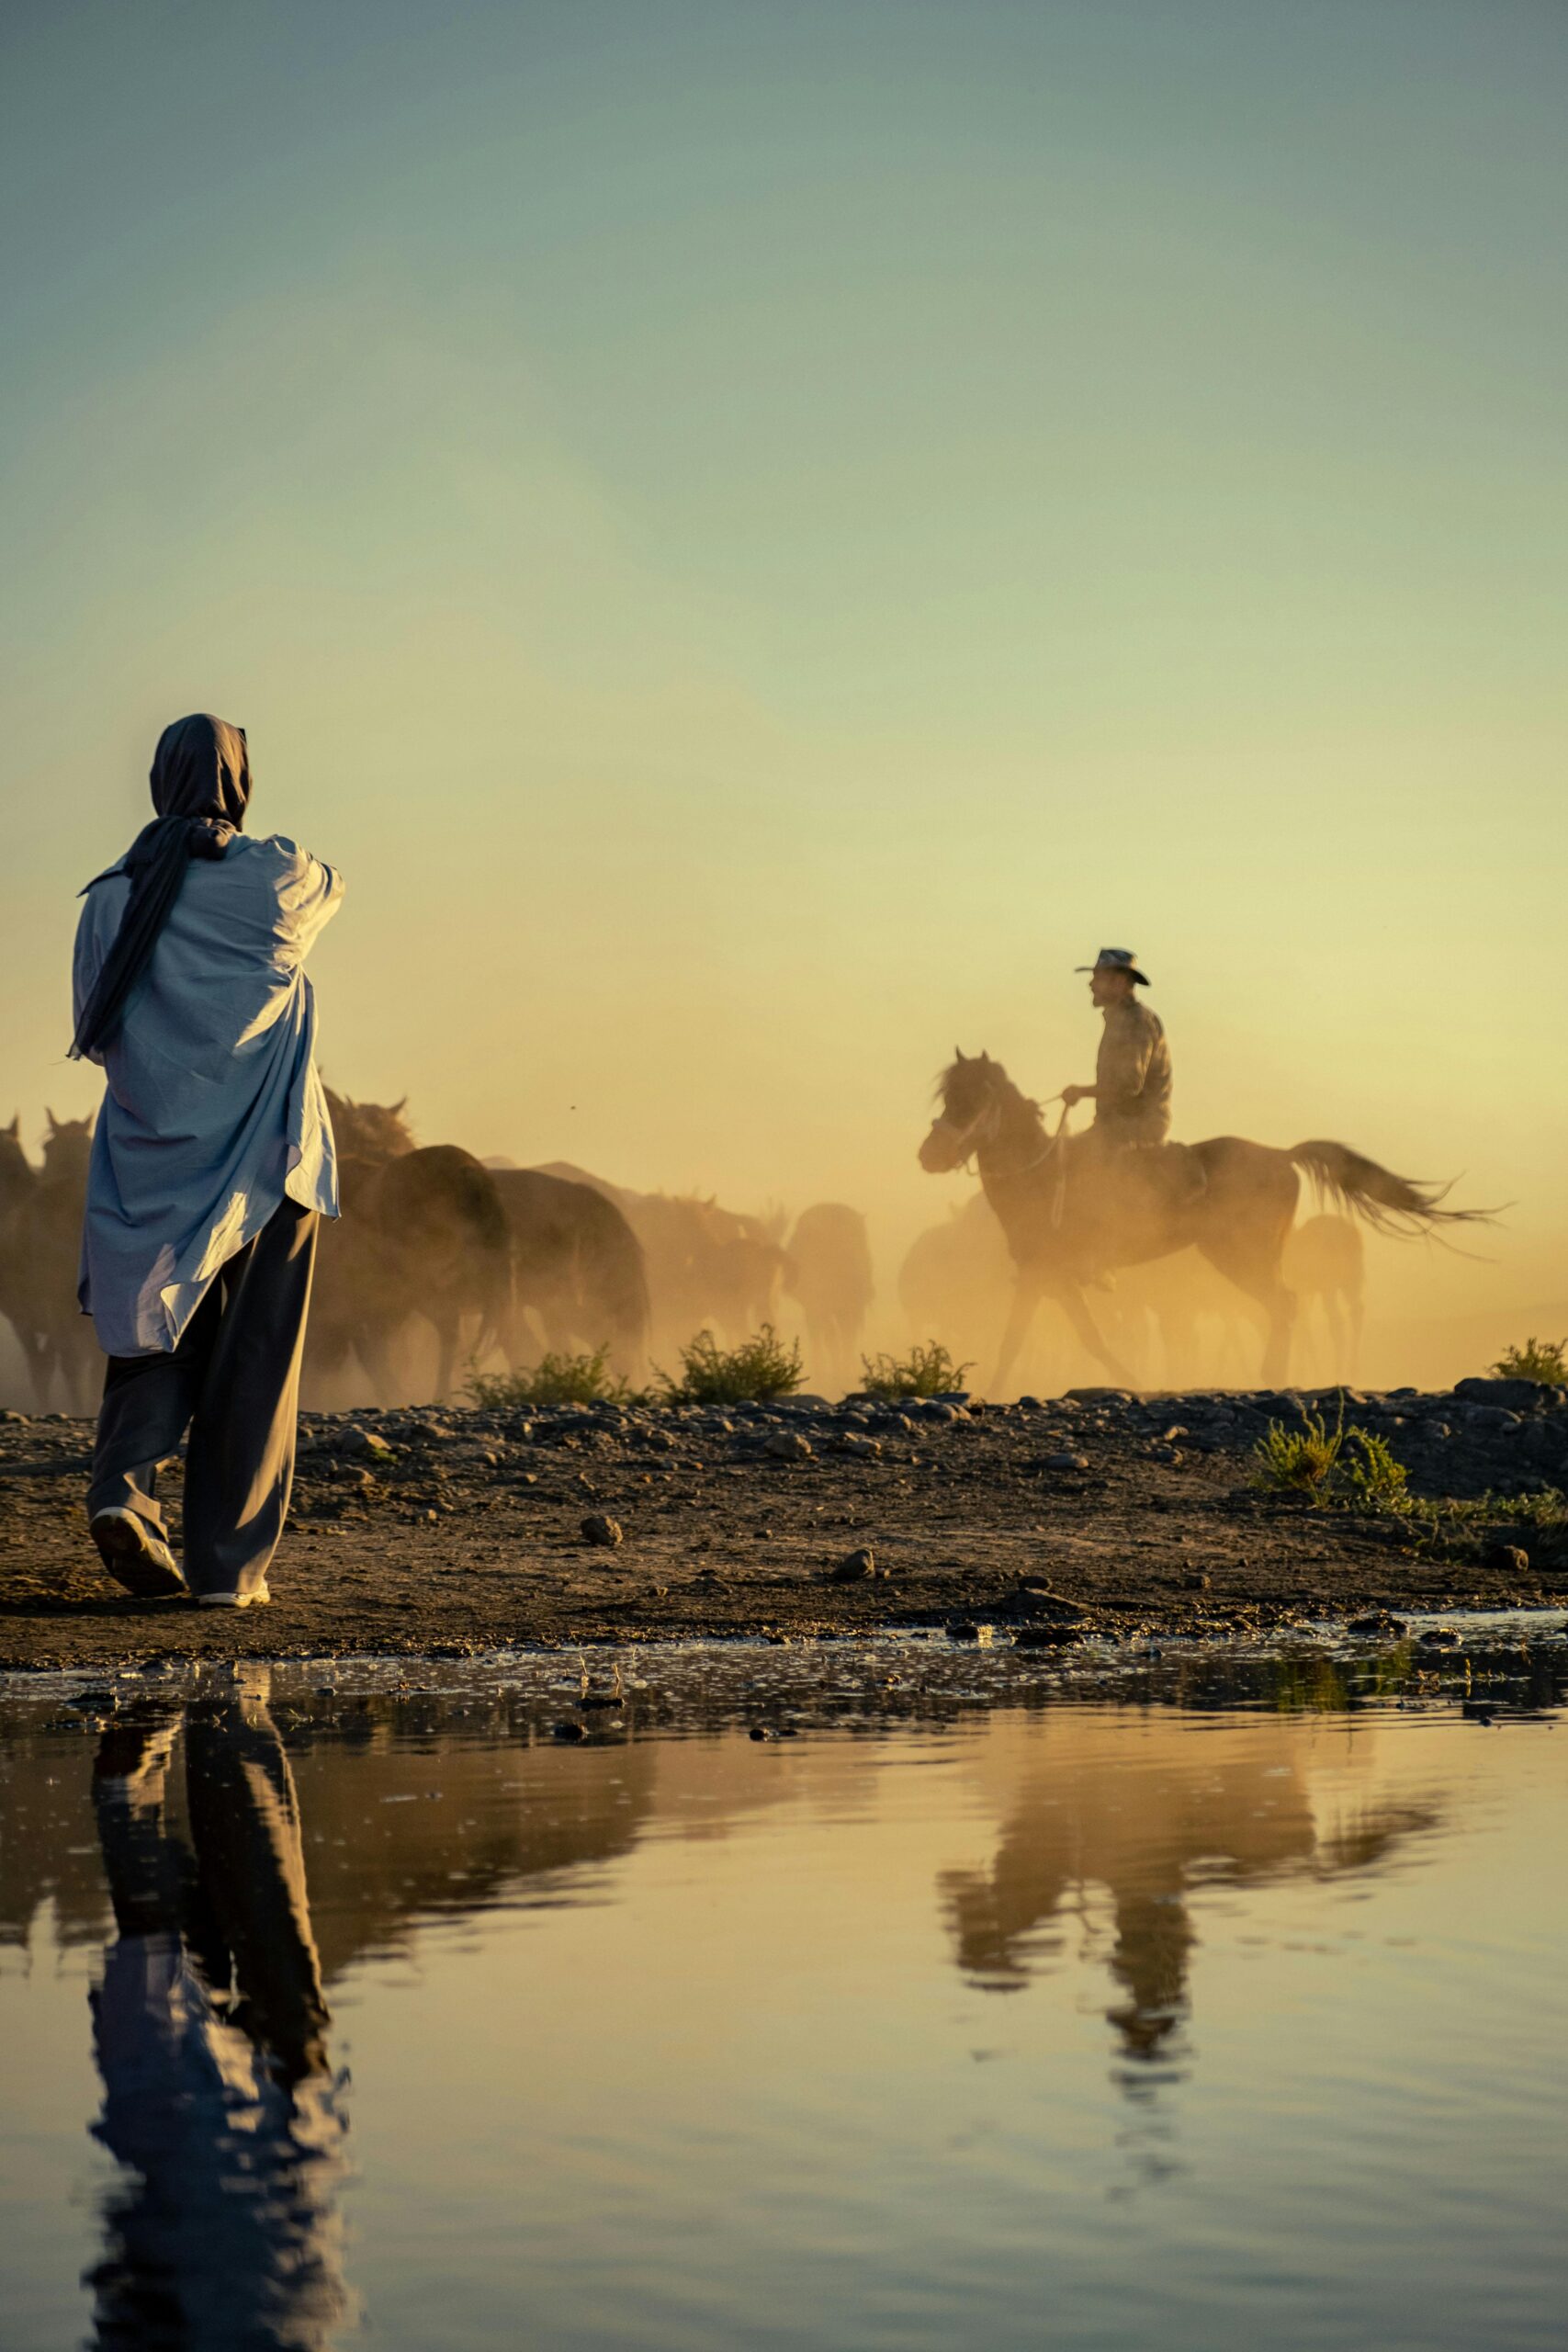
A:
(208, 2031)
(667, 2039)
(1231, 1807)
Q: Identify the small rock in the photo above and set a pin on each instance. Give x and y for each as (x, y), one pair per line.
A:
(788, 1445)
(567, 1731)
(855, 1566)
(1065, 1462)
(1439, 1637)
(760, 1731)
(597, 1528)
(1047, 1637)
(1377, 1620)
(1195, 1581)
(354, 1440)
(966, 1632)
(1510, 1557)
(1518, 1396)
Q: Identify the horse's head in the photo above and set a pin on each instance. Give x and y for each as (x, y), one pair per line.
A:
(969, 1093)
(67, 1145)
(370, 1130)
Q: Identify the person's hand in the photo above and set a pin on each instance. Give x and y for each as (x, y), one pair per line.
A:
(1072, 1094)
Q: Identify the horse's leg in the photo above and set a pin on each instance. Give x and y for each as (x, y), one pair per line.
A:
(370, 1345)
(36, 1351)
(1025, 1299)
(1334, 1318)
(1076, 1308)
(1253, 1268)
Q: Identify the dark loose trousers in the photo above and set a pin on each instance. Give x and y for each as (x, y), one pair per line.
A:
(234, 1381)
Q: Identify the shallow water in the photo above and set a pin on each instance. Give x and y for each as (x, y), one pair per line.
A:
(336, 2009)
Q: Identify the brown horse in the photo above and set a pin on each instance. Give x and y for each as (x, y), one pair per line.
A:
(577, 1265)
(423, 1233)
(41, 1253)
(828, 1275)
(18, 1178)
(1326, 1265)
(707, 1267)
(1071, 1211)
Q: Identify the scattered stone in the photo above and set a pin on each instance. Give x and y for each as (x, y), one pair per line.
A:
(597, 1528)
(567, 1731)
(1510, 1557)
(1438, 1637)
(1048, 1637)
(1516, 1395)
(356, 1441)
(1065, 1462)
(788, 1445)
(1195, 1581)
(855, 1566)
(1377, 1620)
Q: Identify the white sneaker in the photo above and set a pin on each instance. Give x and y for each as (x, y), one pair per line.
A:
(136, 1558)
(257, 1598)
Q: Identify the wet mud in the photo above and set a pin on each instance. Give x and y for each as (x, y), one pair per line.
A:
(1053, 1526)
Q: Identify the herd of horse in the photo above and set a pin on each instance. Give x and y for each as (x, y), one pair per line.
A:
(482, 1259)
(489, 1261)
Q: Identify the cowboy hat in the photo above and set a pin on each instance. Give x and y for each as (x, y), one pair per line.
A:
(1116, 959)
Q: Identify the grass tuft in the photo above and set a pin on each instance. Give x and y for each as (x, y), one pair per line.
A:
(1542, 1360)
(761, 1368)
(1352, 1468)
(926, 1370)
(554, 1380)
(1299, 1462)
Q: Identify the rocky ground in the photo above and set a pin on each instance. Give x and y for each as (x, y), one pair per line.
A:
(449, 1532)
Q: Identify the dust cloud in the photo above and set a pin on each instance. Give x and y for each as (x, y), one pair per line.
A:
(894, 1263)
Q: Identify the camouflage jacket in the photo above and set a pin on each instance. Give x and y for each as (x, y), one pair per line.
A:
(1133, 1076)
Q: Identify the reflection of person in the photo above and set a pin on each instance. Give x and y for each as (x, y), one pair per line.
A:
(212, 1160)
(208, 2031)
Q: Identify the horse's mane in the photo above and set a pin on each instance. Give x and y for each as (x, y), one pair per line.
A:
(996, 1080)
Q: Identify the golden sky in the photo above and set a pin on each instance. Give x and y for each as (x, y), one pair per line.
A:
(758, 536)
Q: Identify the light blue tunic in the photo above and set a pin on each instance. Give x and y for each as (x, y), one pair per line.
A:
(214, 1114)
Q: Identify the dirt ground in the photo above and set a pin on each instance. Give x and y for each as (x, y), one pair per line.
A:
(444, 1532)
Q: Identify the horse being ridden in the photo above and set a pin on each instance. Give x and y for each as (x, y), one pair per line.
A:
(1066, 1215)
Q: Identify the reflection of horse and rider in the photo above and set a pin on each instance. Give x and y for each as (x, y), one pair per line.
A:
(1122, 1825)
(1074, 1208)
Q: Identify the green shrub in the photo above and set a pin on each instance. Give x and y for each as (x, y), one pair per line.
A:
(1371, 1479)
(926, 1370)
(1298, 1461)
(761, 1368)
(1352, 1468)
(554, 1380)
(1544, 1360)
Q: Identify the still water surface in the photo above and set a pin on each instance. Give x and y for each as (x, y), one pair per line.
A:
(382, 2017)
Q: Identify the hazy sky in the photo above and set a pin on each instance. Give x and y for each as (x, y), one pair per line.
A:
(758, 536)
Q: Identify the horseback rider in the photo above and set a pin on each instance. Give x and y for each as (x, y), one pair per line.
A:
(1131, 1078)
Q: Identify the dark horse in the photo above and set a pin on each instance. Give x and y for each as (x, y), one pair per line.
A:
(1071, 1211)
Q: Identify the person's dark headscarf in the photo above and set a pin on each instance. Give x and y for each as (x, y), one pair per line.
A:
(201, 783)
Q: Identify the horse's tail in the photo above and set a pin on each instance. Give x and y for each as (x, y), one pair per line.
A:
(1389, 1204)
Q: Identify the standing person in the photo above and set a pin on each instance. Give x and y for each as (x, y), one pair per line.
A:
(212, 1163)
(1132, 1079)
